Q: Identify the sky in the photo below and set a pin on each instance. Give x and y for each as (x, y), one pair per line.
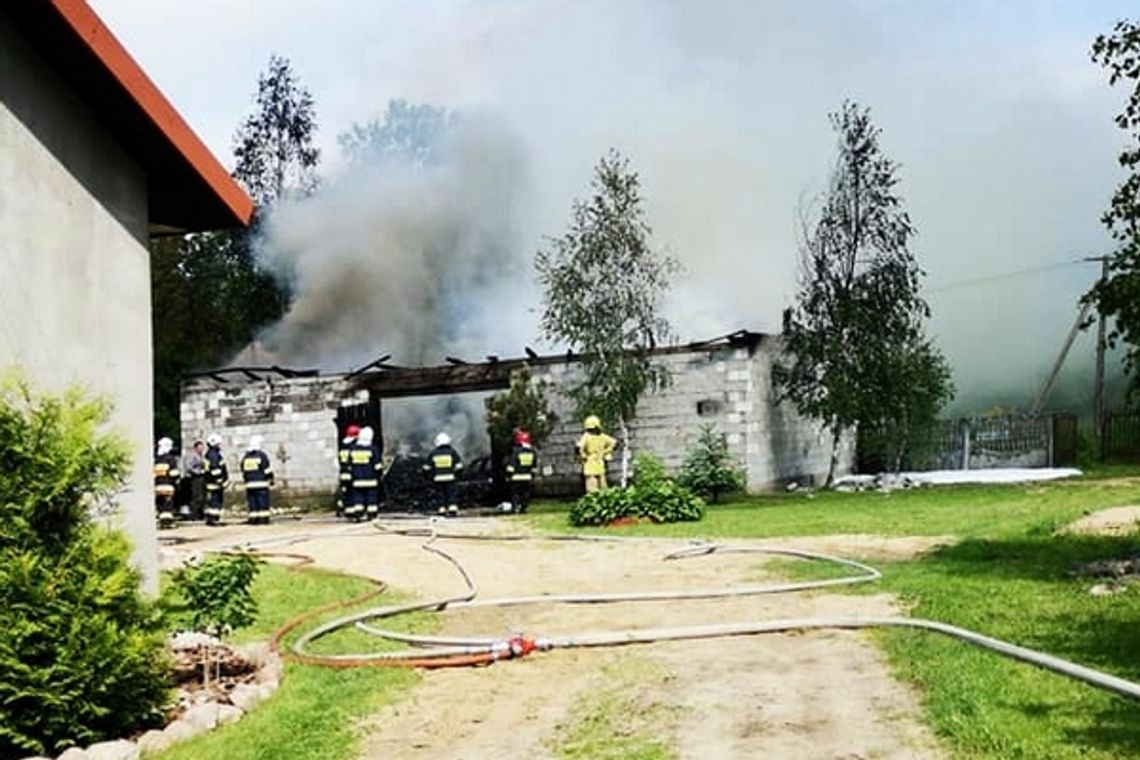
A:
(1000, 123)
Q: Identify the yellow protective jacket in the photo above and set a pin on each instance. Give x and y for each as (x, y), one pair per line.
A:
(595, 449)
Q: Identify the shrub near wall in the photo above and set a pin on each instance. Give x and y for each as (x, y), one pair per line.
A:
(81, 650)
(651, 496)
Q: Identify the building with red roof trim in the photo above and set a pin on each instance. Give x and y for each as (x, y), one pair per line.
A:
(94, 161)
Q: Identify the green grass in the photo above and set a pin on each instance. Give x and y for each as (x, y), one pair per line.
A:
(313, 715)
(1008, 577)
(622, 721)
(977, 511)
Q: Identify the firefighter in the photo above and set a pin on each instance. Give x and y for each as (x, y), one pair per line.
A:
(595, 449)
(257, 472)
(442, 468)
(217, 478)
(520, 471)
(365, 465)
(344, 461)
(166, 476)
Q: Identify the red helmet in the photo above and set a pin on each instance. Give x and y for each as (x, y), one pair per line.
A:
(352, 431)
(522, 437)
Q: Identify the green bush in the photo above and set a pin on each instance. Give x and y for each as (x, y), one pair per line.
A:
(651, 495)
(709, 468)
(82, 656)
(216, 594)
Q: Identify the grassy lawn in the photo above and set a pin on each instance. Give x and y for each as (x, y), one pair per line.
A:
(313, 715)
(1008, 577)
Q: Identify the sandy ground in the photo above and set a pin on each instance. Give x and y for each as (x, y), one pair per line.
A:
(1117, 521)
(811, 695)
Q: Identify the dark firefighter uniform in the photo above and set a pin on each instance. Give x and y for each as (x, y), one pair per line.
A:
(257, 472)
(365, 466)
(217, 478)
(442, 467)
(166, 475)
(520, 475)
(344, 465)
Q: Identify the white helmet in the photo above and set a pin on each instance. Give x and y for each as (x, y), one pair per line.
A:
(255, 441)
(364, 437)
(165, 446)
(213, 439)
(443, 439)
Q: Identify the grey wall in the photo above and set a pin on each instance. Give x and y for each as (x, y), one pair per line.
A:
(74, 265)
(727, 387)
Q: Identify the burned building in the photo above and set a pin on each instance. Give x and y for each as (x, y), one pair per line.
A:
(725, 382)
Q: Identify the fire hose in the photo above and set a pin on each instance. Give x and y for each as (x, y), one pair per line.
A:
(446, 651)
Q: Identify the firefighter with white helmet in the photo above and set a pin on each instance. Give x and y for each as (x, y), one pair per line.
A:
(257, 472)
(442, 467)
(595, 449)
(365, 467)
(217, 478)
(166, 477)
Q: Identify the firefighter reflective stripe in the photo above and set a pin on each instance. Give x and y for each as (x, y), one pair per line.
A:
(521, 476)
(526, 459)
(361, 456)
(256, 484)
(164, 490)
(251, 463)
(161, 469)
(444, 477)
(216, 472)
(346, 477)
(442, 461)
(213, 511)
(366, 483)
(213, 486)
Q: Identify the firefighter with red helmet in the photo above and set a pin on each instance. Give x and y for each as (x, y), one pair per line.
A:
(344, 461)
(520, 470)
(166, 477)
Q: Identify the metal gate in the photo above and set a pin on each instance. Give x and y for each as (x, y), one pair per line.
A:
(1064, 440)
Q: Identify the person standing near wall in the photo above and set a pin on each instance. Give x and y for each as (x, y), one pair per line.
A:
(344, 462)
(166, 475)
(442, 468)
(217, 478)
(194, 468)
(365, 463)
(257, 472)
(520, 471)
(595, 449)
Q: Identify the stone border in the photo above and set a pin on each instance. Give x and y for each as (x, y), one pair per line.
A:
(200, 718)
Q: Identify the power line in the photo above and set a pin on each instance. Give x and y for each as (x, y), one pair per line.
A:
(1011, 275)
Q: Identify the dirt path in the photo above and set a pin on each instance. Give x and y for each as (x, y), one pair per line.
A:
(816, 695)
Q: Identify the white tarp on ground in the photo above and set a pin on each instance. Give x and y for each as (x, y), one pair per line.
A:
(957, 477)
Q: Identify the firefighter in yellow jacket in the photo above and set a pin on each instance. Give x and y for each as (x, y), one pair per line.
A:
(595, 449)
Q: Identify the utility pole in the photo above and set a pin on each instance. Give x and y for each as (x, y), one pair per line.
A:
(1098, 382)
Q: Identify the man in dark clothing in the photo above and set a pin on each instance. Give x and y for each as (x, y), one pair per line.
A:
(257, 472)
(344, 462)
(365, 462)
(442, 468)
(520, 471)
(195, 468)
(217, 478)
(166, 476)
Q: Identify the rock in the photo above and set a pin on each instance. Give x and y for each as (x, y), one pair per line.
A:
(258, 655)
(116, 750)
(179, 731)
(228, 714)
(153, 742)
(37, 757)
(74, 753)
(245, 696)
(192, 640)
(267, 688)
(270, 671)
(202, 717)
(1106, 589)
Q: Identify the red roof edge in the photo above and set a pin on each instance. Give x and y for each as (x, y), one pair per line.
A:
(111, 53)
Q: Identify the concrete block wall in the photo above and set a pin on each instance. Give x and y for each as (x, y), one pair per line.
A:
(296, 417)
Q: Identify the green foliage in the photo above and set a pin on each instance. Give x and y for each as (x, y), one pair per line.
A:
(602, 290)
(82, 657)
(854, 336)
(217, 593)
(1118, 295)
(408, 134)
(651, 496)
(211, 296)
(524, 405)
(709, 469)
(274, 146)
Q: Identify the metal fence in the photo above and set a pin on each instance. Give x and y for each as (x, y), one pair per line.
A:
(1120, 436)
(973, 443)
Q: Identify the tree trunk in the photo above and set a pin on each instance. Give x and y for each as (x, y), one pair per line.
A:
(836, 432)
(624, 451)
